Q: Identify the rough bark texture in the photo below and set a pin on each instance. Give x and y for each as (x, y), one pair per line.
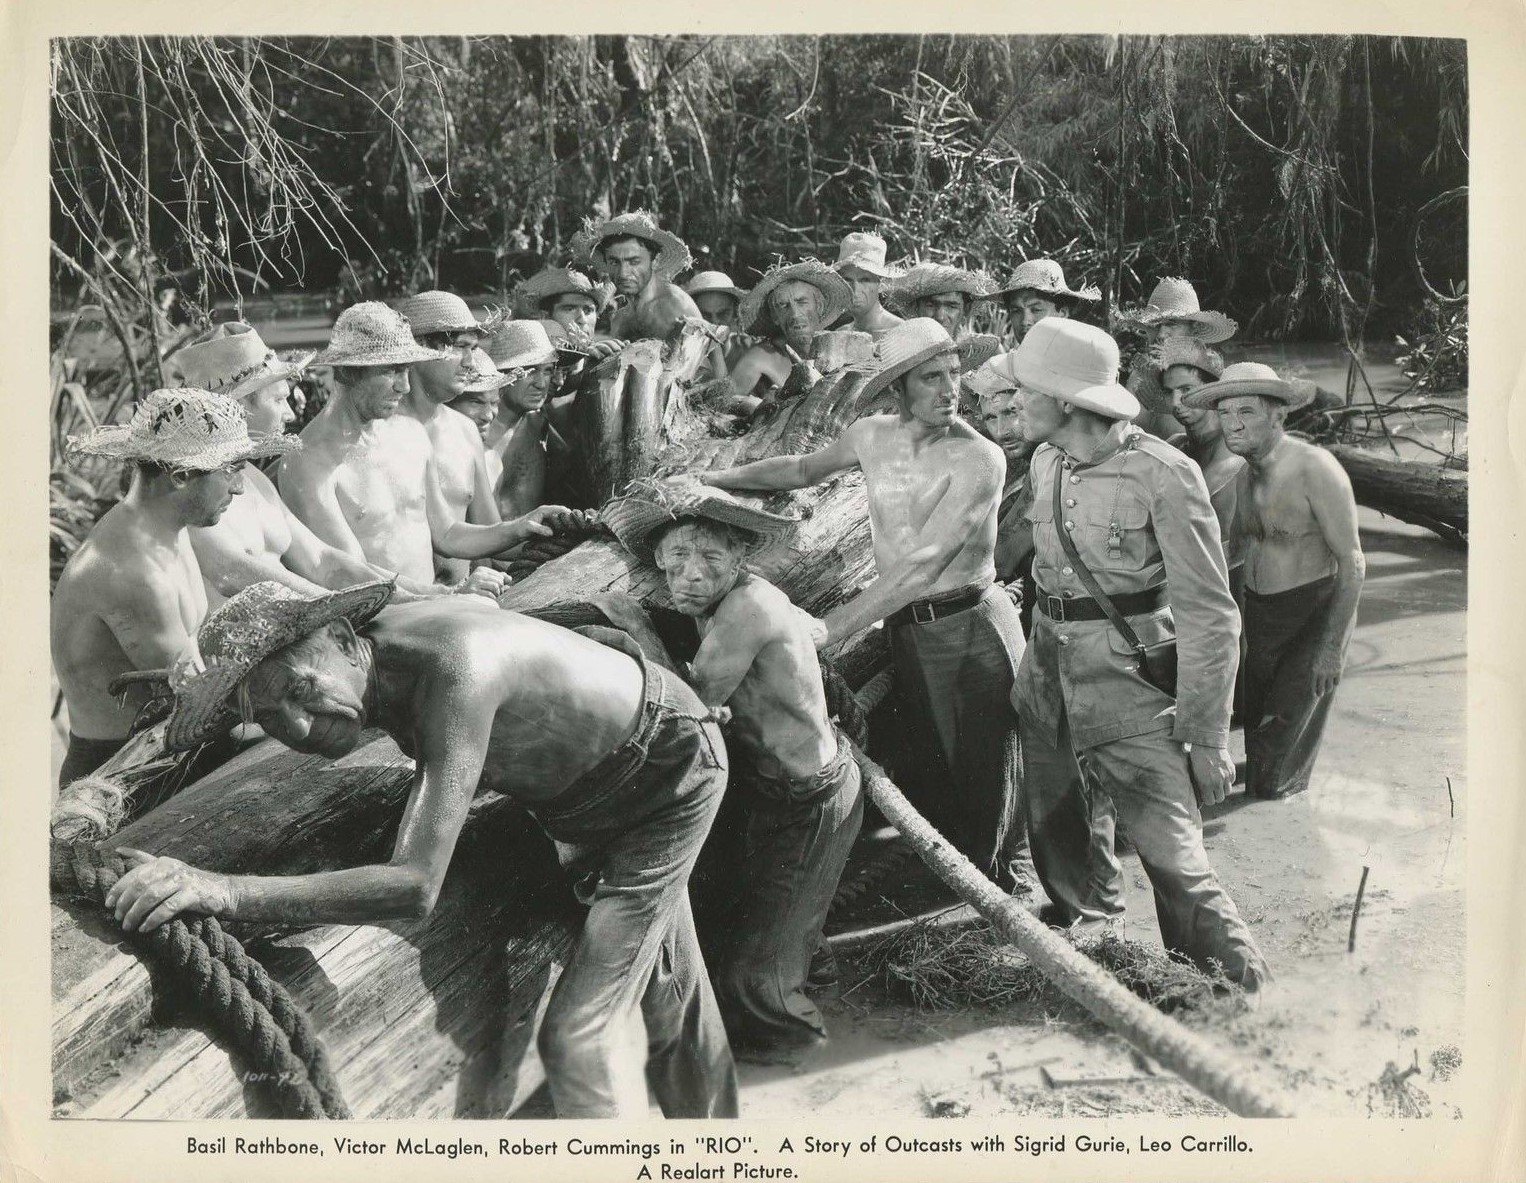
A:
(1423, 494)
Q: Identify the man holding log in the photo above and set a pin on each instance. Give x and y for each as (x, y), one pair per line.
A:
(1304, 569)
(616, 759)
(1124, 691)
(785, 310)
(934, 486)
(795, 786)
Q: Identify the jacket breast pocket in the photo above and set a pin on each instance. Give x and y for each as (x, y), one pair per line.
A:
(1135, 542)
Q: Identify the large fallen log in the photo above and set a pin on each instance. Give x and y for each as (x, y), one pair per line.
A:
(1413, 491)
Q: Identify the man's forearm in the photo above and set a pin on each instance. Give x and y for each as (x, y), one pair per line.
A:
(466, 541)
(1341, 621)
(775, 473)
(889, 593)
(356, 895)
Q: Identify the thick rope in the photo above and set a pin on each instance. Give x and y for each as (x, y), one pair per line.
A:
(255, 1014)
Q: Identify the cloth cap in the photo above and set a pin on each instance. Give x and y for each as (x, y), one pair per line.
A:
(864, 249)
(1075, 362)
(372, 334)
(230, 359)
(184, 428)
(1251, 377)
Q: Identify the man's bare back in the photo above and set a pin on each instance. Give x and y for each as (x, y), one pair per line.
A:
(1285, 544)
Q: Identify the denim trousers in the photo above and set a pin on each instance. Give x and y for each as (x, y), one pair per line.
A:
(1074, 800)
(796, 834)
(629, 831)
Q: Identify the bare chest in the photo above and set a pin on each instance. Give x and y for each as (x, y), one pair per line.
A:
(455, 463)
(256, 524)
(381, 479)
(1275, 507)
(905, 486)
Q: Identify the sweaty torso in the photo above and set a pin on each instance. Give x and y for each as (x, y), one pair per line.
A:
(520, 452)
(1284, 546)
(93, 623)
(255, 523)
(654, 313)
(559, 702)
(779, 710)
(457, 448)
(905, 485)
(765, 360)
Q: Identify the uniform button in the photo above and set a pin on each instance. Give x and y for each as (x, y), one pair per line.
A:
(1070, 501)
(1070, 525)
(1075, 480)
(1066, 571)
(1065, 640)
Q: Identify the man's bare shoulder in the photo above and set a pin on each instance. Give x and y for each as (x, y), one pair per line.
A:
(967, 439)
(1316, 465)
(459, 426)
(757, 606)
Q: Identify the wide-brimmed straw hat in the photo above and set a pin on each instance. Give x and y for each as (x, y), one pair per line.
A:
(520, 345)
(933, 279)
(648, 505)
(988, 379)
(867, 251)
(1046, 278)
(1074, 362)
(903, 347)
(713, 281)
(1176, 299)
(1251, 377)
(1185, 351)
(672, 256)
(444, 312)
(562, 341)
(482, 375)
(244, 630)
(837, 297)
(975, 349)
(184, 428)
(373, 334)
(542, 288)
(230, 359)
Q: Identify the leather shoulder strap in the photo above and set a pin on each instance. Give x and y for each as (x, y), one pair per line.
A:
(1083, 572)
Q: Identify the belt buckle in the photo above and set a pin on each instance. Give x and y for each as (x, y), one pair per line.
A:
(917, 611)
(1054, 608)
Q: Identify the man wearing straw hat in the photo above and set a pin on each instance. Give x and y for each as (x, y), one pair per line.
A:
(795, 789)
(1038, 289)
(258, 537)
(132, 596)
(1182, 365)
(719, 302)
(942, 293)
(365, 480)
(519, 436)
(1130, 577)
(572, 300)
(861, 263)
(641, 259)
(934, 485)
(616, 759)
(1304, 569)
(1172, 312)
(785, 310)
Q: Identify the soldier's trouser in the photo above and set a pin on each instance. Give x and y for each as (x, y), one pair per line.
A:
(1073, 800)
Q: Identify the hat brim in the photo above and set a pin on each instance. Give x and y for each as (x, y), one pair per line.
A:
(753, 315)
(902, 296)
(735, 291)
(1112, 400)
(882, 270)
(1208, 327)
(634, 519)
(1293, 393)
(977, 349)
(672, 252)
(525, 361)
(1087, 295)
(402, 355)
(884, 377)
(201, 701)
(282, 371)
(116, 442)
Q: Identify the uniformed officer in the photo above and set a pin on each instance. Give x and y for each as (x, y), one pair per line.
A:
(1100, 741)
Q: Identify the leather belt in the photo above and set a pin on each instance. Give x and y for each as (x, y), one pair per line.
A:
(927, 611)
(1064, 609)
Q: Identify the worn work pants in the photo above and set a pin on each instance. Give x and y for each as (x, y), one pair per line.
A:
(630, 829)
(958, 743)
(1073, 800)
(797, 834)
(1284, 718)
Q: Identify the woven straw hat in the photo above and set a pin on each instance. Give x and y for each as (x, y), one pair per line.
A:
(975, 349)
(1251, 377)
(561, 340)
(372, 334)
(230, 359)
(482, 375)
(672, 255)
(648, 505)
(837, 297)
(532, 296)
(1186, 351)
(865, 250)
(903, 347)
(1075, 362)
(1047, 278)
(443, 312)
(713, 281)
(520, 345)
(989, 379)
(1176, 299)
(933, 279)
(184, 428)
(241, 633)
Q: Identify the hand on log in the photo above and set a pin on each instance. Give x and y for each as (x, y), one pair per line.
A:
(483, 581)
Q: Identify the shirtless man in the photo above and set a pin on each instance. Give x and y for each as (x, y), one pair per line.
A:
(641, 260)
(616, 759)
(258, 538)
(1184, 365)
(786, 310)
(517, 437)
(132, 597)
(442, 322)
(934, 486)
(792, 773)
(861, 263)
(570, 299)
(364, 481)
(1303, 573)
(719, 302)
(947, 295)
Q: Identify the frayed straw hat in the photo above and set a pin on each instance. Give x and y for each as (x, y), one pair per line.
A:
(542, 288)
(243, 631)
(867, 251)
(837, 297)
(1185, 351)
(444, 312)
(1073, 362)
(372, 334)
(482, 375)
(520, 345)
(1176, 300)
(989, 379)
(230, 359)
(975, 349)
(933, 279)
(1047, 278)
(648, 505)
(1252, 377)
(903, 347)
(184, 428)
(567, 350)
(672, 256)
(713, 281)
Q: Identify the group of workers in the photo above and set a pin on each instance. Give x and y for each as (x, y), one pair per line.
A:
(1074, 556)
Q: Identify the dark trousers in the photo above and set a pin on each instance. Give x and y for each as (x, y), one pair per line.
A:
(630, 830)
(1284, 718)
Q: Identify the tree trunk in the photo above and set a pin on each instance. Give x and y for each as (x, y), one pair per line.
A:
(1413, 491)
